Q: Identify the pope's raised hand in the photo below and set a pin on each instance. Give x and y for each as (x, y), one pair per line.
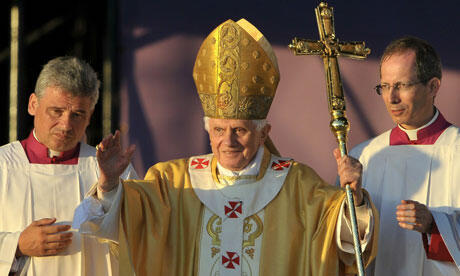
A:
(413, 215)
(112, 160)
(350, 172)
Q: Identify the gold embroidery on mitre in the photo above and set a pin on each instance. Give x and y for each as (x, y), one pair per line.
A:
(236, 72)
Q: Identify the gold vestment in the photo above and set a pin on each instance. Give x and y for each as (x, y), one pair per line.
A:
(161, 219)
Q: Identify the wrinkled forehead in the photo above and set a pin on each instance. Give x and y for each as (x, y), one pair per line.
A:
(52, 91)
(56, 96)
(232, 123)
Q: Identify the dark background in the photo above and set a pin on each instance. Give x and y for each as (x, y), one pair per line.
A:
(156, 43)
(50, 29)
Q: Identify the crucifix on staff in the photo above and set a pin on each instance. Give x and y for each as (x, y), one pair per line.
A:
(329, 48)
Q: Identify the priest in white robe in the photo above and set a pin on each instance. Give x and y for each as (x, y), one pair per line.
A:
(412, 171)
(44, 177)
(242, 210)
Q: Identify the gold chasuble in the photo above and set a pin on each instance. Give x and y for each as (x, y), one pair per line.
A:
(161, 224)
(165, 219)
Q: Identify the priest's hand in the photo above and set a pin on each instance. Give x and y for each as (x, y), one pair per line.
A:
(112, 160)
(350, 172)
(42, 238)
(414, 216)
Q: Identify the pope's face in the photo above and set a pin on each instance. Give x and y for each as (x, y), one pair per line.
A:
(235, 142)
(60, 119)
(411, 107)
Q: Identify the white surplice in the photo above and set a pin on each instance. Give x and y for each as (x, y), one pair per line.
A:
(429, 174)
(29, 192)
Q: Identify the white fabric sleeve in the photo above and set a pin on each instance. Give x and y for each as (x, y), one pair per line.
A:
(106, 198)
(91, 219)
(449, 228)
(97, 215)
(344, 232)
(8, 246)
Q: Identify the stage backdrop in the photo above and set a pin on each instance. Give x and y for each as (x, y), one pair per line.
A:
(160, 110)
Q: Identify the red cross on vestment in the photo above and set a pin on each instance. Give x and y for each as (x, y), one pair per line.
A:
(200, 163)
(281, 165)
(234, 209)
(230, 260)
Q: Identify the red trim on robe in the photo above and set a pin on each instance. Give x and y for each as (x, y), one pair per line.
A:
(37, 153)
(437, 249)
(425, 136)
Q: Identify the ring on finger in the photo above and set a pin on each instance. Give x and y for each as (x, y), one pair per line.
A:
(98, 148)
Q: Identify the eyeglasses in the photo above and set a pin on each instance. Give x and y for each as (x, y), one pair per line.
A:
(401, 86)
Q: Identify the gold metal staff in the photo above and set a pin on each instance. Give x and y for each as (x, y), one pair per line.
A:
(329, 48)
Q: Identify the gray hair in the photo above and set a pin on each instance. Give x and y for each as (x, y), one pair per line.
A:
(72, 75)
(259, 124)
(427, 62)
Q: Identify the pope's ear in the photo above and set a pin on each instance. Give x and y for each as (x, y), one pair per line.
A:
(33, 104)
(264, 132)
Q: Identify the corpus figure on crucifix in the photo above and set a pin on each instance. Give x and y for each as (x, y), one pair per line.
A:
(241, 210)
